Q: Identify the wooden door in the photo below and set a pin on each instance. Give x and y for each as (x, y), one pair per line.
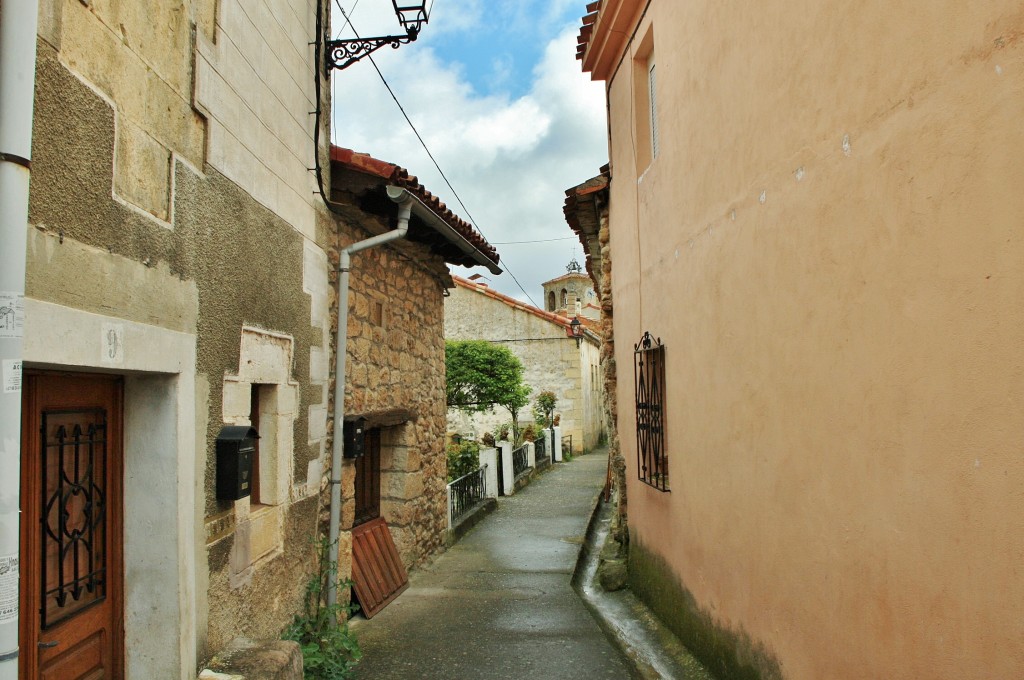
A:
(368, 480)
(71, 528)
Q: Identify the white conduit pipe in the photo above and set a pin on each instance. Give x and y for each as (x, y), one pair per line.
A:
(405, 203)
(17, 85)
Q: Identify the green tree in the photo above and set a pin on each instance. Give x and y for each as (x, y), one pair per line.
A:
(545, 408)
(481, 375)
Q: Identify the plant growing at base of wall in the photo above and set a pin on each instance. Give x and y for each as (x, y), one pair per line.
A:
(481, 375)
(544, 408)
(329, 649)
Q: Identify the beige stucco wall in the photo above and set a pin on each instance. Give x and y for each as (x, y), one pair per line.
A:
(551, 361)
(829, 246)
(147, 221)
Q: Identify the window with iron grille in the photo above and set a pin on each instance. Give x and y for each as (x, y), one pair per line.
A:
(649, 380)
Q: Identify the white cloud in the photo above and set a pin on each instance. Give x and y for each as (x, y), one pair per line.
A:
(510, 159)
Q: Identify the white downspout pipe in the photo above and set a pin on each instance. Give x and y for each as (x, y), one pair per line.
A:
(17, 86)
(405, 201)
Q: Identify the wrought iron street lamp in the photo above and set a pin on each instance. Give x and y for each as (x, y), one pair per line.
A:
(341, 54)
(577, 330)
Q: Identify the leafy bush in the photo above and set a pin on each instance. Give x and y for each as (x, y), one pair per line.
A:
(488, 440)
(463, 458)
(530, 433)
(329, 649)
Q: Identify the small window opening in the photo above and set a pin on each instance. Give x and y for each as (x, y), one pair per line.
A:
(645, 109)
(255, 415)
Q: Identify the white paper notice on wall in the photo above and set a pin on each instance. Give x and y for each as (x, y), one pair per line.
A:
(10, 375)
(112, 343)
(8, 588)
(12, 314)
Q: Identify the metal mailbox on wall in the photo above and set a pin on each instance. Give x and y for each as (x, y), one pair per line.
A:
(236, 448)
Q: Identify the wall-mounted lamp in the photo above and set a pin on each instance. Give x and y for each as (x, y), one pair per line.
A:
(577, 330)
(341, 54)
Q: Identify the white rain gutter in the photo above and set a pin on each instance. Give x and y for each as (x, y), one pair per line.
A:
(17, 86)
(405, 205)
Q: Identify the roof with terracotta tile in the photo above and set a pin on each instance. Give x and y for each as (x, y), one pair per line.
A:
(566, 277)
(587, 28)
(400, 177)
(557, 319)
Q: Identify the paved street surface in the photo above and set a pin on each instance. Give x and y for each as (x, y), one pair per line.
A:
(499, 604)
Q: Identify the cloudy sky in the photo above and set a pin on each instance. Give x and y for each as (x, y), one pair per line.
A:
(494, 88)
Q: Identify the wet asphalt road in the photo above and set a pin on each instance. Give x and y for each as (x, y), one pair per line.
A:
(499, 604)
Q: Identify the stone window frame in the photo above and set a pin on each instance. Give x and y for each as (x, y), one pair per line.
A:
(265, 360)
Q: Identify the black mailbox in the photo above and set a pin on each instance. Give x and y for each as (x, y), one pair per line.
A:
(236, 447)
(355, 436)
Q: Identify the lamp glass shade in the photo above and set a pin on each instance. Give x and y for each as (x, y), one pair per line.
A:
(412, 15)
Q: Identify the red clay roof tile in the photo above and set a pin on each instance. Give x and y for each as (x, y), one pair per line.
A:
(400, 177)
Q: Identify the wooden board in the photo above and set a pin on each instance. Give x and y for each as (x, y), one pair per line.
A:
(377, 570)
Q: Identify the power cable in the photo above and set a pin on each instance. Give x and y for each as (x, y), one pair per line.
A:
(542, 240)
(423, 143)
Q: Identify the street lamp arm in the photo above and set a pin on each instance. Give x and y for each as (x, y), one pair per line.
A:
(343, 53)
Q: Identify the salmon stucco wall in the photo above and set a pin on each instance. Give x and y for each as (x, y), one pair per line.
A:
(828, 242)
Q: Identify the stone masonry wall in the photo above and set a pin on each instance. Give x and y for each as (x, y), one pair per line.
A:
(395, 378)
(142, 113)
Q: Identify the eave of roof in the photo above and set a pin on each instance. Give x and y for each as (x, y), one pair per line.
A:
(400, 177)
(585, 197)
(557, 319)
(605, 32)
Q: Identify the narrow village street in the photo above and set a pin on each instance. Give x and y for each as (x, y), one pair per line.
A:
(499, 604)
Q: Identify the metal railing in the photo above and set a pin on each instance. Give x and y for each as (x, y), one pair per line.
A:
(540, 447)
(465, 492)
(567, 448)
(520, 461)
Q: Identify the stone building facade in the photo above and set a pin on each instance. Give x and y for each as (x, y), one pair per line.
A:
(837, 304)
(543, 343)
(179, 262)
(396, 349)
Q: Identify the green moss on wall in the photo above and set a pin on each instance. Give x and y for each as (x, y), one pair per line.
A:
(728, 654)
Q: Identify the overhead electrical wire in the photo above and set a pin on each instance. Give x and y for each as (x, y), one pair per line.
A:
(542, 240)
(423, 143)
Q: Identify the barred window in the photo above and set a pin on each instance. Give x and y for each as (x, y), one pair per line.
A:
(649, 380)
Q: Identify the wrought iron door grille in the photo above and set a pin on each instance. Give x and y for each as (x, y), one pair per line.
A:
(73, 520)
(649, 381)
